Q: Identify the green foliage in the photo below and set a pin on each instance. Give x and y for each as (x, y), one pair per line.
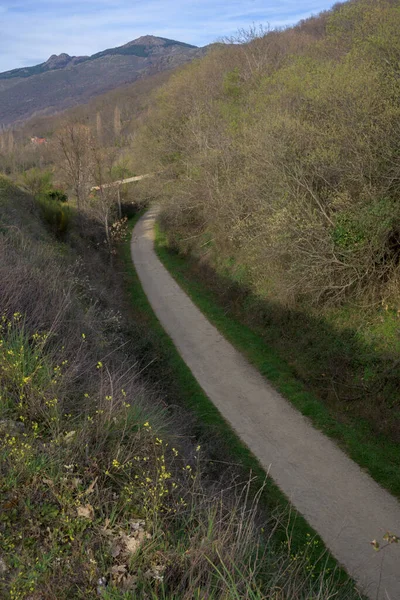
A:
(6, 188)
(58, 195)
(37, 182)
(49, 200)
(375, 229)
(25, 72)
(55, 215)
(171, 157)
(231, 84)
(121, 171)
(136, 50)
(348, 232)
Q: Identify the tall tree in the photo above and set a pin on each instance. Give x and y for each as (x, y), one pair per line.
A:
(117, 121)
(99, 126)
(74, 146)
(104, 204)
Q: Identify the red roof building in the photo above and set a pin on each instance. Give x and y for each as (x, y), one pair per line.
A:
(37, 141)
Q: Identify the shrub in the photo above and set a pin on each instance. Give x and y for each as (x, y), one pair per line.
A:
(55, 215)
(58, 195)
(36, 181)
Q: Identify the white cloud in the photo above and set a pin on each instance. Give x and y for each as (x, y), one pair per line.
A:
(31, 30)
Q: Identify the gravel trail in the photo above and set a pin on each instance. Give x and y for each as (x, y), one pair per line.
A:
(340, 501)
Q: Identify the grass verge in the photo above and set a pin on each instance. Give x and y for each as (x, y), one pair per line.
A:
(372, 452)
(211, 423)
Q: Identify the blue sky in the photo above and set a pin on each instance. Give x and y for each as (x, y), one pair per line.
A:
(32, 30)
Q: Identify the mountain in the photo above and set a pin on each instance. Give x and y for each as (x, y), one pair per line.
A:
(63, 81)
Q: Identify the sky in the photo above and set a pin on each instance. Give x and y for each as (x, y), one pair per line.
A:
(32, 30)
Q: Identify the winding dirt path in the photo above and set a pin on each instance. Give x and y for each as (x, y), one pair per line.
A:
(341, 502)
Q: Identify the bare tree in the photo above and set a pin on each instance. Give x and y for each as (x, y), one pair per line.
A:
(11, 141)
(74, 146)
(104, 203)
(117, 121)
(3, 142)
(99, 126)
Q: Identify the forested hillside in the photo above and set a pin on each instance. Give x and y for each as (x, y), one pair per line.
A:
(281, 172)
(288, 149)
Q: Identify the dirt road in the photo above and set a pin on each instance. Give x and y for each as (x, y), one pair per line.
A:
(342, 503)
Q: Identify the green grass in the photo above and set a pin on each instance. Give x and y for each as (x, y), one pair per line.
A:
(372, 452)
(211, 423)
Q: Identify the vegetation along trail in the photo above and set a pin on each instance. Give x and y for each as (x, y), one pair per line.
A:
(341, 502)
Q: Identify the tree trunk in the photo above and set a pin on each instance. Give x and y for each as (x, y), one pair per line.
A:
(119, 203)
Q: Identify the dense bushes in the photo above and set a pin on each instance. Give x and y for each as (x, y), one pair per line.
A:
(286, 159)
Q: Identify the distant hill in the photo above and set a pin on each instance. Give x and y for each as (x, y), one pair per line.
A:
(63, 81)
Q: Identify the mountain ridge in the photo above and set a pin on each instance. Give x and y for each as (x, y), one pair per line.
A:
(64, 81)
(63, 60)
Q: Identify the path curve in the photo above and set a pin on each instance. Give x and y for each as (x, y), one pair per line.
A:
(341, 502)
